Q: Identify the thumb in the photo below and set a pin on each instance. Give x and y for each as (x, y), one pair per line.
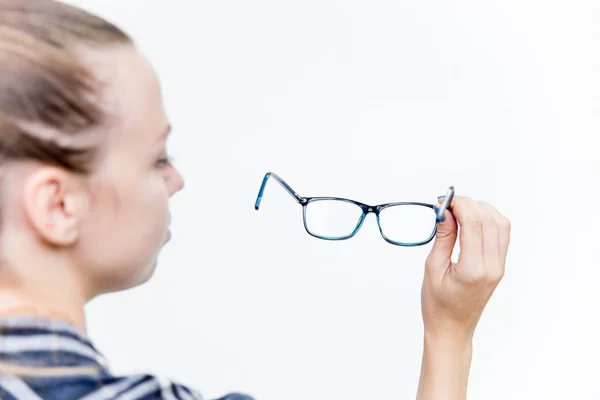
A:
(440, 255)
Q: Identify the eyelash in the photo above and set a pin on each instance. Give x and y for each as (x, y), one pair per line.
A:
(161, 162)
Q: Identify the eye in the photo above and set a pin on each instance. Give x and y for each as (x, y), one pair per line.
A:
(164, 161)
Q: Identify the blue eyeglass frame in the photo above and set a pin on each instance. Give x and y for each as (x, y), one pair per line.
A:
(366, 209)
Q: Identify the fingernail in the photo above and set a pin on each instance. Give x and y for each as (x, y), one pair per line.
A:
(441, 199)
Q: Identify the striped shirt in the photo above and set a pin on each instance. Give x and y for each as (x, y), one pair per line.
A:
(53, 360)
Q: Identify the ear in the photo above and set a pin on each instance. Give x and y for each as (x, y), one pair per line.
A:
(55, 202)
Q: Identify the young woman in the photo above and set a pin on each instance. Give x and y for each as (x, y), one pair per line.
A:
(85, 182)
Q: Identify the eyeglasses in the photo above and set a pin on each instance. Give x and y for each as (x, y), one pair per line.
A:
(335, 218)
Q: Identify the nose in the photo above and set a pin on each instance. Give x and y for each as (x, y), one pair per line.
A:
(176, 183)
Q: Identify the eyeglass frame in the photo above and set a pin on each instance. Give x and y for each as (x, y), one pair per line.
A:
(366, 209)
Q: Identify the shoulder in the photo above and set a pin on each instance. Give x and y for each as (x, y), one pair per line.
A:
(103, 387)
(150, 387)
(236, 396)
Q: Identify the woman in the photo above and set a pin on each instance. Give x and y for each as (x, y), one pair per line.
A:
(85, 181)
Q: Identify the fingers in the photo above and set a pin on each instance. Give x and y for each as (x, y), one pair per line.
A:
(504, 228)
(484, 238)
(491, 240)
(445, 240)
(466, 212)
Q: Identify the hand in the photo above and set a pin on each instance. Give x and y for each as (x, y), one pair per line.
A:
(455, 294)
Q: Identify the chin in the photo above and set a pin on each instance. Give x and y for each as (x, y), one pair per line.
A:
(132, 280)
(148, 273)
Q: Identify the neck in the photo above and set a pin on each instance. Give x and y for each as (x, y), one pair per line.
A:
(47, 289)
(24, 303)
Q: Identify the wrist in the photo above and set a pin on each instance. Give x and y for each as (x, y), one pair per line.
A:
(447, 330)
(447, 337)
(457, 347)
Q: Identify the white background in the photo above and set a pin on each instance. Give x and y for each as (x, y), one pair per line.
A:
(377, 101)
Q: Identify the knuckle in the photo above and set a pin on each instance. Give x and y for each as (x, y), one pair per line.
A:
(475, 222)
(443, 233)
(489, 220)
(472, 214)
(477, 276)
(496, 276)
(487, 212)
(480, 276)
(483, 204)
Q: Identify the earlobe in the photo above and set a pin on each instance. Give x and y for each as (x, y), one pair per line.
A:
(53, 206)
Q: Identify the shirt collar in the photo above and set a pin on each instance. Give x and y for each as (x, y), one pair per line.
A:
(41, 342)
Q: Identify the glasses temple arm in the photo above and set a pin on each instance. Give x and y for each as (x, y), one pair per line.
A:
(445, 204)
(287, 187)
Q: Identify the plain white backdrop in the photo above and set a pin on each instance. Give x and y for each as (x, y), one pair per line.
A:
(377, 101)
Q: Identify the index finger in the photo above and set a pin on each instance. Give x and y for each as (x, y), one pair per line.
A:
(465, 211)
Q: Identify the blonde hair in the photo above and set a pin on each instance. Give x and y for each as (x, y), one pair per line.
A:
(49, 99)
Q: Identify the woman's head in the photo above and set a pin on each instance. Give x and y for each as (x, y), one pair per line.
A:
(84, 175)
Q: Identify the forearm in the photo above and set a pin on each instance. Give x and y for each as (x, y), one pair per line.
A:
(445, 368)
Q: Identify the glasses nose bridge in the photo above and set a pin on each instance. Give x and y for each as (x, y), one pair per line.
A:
(367, 209)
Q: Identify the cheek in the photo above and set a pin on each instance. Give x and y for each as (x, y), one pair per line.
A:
(144, 209)
(125, 231)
